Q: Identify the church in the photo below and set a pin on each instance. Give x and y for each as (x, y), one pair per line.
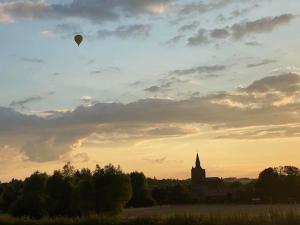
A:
(209, 188)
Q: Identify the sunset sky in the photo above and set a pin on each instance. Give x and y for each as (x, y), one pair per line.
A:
(153, 83)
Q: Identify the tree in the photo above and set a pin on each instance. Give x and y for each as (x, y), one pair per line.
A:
(112, 188)
(289, 183)
(85, 192)
(175, 194)
(289, 171)
(59, 192)
(160, 195)
(267, 184)
(68, 170)
(140, 191)
(179, 194)
(11, 192)
(33, 200)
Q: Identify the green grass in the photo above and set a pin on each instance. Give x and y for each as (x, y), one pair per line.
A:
(273, 217)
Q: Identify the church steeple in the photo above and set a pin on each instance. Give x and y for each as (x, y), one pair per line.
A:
(197, 161)
(198, 173)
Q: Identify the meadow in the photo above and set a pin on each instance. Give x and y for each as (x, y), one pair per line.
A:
(210, 209)
(181, 215)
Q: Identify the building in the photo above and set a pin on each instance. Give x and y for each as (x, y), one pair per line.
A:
(208, 188)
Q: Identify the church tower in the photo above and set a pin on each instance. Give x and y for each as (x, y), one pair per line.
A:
(198, 174)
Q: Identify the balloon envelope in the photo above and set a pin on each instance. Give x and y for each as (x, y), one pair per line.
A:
(78, 39)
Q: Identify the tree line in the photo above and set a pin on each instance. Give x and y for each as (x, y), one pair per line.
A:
(70, 192)
(273, 185)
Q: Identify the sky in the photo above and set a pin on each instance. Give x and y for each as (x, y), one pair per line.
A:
(153, 83)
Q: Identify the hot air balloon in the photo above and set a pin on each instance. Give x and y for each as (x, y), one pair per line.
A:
(78, 39)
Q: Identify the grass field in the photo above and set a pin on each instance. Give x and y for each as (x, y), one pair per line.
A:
(200, 210)
(181, 215)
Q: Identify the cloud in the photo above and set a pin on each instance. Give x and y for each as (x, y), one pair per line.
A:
(267, 108)
(174, 40)
(91, 61)
(194, 8)
(106, 69)
(199, 39)
(56, 74)
(219, 33)
(102, 10)
(96, 11)
(188, 27)
(47, 33)
(123, 32)
(169, 83)
(136, 83)
(199, 70)
(51, 93)
(86, 99)
(240, 30)
(30, 9)
(153, 89)
(165, 86)
(286, 84)
(201, 7)
(253, 43)
(156, 160)
(21, 103)
(81, 157)
(32, 60)
(63, 30)
(242, 12)
(68, 27)
(171, 131)
(263, 25)
(262, 63)
(209, 76)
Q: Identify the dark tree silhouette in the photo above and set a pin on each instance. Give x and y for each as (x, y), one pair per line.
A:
(140, 191)
(10, 194)
(113, 188)
(32, 202)
(267, 184)
(84, 192)
(281, 184)
(59, 195)
(70, 192)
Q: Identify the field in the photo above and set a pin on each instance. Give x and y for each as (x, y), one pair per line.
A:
(203, 210)
(181, 215)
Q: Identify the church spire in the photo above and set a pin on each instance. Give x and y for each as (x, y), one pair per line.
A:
(197, 161)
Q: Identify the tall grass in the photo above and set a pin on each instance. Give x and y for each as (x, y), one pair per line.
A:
(273, 217)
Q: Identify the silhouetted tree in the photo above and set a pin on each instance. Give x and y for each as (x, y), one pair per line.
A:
(33, 199)
(267, 184)
(160, 195)
(68, 170)
(289, 171)
(175, 194)
(112, 188)
(71, 192)
(85, 192)
(11, 192)
(140, 191)
(59, 195)
(179, 194)
(289, 184)
(281, 184)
